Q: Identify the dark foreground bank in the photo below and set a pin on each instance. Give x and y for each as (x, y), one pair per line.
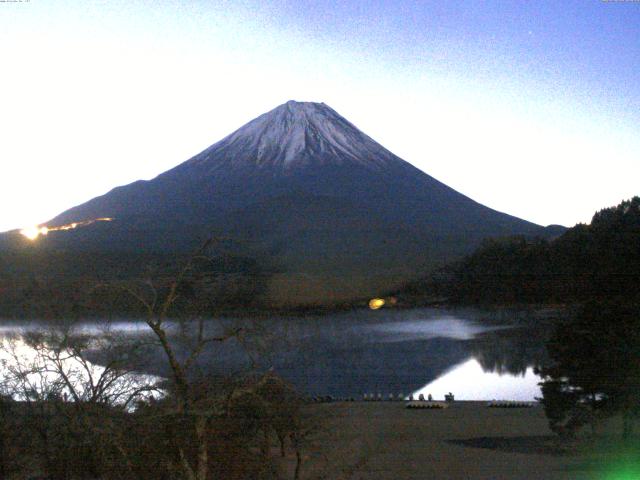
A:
(468, 440)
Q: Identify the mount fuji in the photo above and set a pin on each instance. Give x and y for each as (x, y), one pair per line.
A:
(333, 214)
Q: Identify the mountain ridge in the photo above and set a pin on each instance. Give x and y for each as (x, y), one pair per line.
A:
(336, 214)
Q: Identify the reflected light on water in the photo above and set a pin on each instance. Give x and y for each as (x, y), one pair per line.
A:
(468, 381)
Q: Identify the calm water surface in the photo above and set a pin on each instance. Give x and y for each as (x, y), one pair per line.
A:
(474, 355)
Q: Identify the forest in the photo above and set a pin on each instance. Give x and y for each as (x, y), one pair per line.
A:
(600, 260)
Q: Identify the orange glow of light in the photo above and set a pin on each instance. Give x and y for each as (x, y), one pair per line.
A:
(32, 233)
(376, 303)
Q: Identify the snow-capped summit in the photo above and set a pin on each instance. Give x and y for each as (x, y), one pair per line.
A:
(295, 134)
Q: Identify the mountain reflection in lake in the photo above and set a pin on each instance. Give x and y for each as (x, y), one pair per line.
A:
(469, 381)
(392, 351)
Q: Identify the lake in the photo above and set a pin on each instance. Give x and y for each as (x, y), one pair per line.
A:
(474, 355)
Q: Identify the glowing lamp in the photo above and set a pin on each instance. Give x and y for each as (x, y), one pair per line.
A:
(376, 303)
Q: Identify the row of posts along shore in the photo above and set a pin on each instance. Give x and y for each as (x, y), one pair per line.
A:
(373, 397)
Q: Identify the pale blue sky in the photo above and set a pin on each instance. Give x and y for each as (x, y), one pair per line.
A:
(532, 108)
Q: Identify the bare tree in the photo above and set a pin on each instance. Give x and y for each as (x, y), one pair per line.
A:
(191, 407)
(97, 416)
(70, 403)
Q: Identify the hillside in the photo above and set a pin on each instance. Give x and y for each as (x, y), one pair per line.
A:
(330, 214)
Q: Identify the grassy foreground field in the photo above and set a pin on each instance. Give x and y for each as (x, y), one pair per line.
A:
(384, 440)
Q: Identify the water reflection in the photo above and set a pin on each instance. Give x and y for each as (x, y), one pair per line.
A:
(353, 353)
(512, 350)
(470, 381)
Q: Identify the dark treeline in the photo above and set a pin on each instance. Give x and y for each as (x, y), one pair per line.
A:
(53, 285)
(594, 372)
(599, 260)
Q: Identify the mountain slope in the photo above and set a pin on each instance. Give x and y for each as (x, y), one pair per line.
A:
(332, 212)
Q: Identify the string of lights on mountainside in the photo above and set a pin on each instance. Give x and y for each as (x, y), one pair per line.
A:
(34, 232)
